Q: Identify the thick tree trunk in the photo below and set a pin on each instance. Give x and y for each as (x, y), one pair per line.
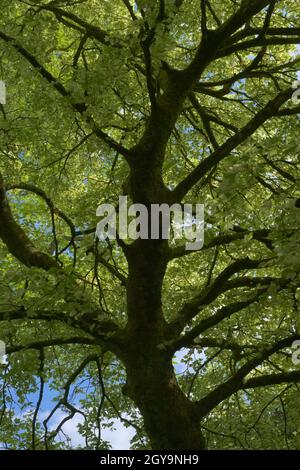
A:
(168, 415)
(151, 383)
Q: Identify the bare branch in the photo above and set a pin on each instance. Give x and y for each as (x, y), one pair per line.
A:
(272, 379)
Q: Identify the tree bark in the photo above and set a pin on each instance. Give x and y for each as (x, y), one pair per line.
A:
(168, 414)
(169, 417)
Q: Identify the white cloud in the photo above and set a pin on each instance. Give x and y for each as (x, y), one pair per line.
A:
(180, 366)
(119, 437)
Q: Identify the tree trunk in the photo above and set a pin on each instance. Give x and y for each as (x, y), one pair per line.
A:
(151, 383)
(168, 415)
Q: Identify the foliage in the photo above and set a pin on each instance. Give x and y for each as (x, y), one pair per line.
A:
(198, 94)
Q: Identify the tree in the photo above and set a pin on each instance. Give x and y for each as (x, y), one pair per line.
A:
(167, 102)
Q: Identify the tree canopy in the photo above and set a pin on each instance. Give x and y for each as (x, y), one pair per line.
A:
(165, 101)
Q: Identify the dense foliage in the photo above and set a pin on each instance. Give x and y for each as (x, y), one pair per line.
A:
(163, 101)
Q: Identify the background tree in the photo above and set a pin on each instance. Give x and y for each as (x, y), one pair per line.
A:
(167, 101)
